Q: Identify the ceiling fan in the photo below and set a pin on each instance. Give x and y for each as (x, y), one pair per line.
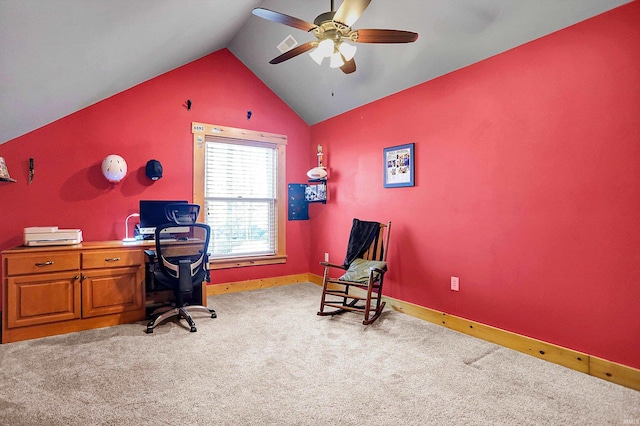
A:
(333, 31)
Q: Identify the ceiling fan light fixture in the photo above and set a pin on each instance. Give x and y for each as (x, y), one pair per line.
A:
(336, 60)
(326, 47)
(347, 50)
(317, 56)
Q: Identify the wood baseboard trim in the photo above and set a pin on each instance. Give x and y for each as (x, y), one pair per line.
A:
(233, 287)
(613, 372)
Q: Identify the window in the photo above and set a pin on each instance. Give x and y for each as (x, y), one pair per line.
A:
(239, 182)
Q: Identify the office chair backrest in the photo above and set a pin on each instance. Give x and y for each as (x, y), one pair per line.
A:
(182, 213)
(184, 245)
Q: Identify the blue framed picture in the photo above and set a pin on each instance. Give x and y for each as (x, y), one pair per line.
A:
(399, 162)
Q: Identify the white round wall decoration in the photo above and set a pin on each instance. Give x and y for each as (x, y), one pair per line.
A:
(114, 168)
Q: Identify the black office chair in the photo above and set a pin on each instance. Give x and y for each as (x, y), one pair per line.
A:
(181, 253)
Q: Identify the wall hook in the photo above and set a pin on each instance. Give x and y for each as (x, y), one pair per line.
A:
(31, 170)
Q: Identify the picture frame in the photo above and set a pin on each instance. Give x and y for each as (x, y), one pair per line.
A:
(316, 193)
(399, 166)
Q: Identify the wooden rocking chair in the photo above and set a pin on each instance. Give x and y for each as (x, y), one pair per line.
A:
(359, 289)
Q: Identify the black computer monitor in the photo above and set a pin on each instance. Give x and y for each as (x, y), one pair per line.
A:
(152, 214)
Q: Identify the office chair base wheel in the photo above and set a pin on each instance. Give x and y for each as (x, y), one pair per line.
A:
(182, 313)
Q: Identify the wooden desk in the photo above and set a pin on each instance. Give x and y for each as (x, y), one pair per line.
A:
(61, 289)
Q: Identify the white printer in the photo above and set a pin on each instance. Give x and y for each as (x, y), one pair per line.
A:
(51, 236)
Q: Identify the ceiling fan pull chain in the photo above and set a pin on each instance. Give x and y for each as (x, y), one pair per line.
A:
(332, 74)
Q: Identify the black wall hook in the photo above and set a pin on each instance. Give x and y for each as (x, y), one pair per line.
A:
(188, 104)
(31, 170)
(249, 114)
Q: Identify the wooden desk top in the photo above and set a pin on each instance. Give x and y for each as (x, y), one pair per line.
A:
(85, 245)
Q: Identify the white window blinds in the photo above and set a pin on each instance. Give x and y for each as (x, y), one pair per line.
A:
(240, 197)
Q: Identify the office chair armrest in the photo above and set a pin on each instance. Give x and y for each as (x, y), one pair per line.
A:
(151, 265)
(151, 254)
(207, 268)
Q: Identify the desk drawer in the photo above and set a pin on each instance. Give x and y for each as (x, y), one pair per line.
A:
(42, 263)
(111, 259)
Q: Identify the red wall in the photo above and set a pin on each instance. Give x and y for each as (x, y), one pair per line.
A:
(527, 188)
(147, 121)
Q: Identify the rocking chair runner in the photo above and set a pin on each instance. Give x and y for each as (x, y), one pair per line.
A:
(359, 289)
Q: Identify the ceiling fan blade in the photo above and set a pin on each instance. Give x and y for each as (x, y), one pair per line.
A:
(385, 36)
(298, 50)
(281, 18)
(350, 10)
(349, 66)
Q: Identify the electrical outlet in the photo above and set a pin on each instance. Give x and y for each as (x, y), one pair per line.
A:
(326, 257)
(455, 283)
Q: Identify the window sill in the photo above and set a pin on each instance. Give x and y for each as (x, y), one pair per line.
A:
(240, 262)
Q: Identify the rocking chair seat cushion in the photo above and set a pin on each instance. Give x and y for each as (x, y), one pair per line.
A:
(359, 270)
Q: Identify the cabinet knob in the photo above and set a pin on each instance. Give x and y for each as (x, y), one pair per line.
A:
(112, 259)
(47, 263)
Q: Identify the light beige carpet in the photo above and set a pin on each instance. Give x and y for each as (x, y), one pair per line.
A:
(269, 360)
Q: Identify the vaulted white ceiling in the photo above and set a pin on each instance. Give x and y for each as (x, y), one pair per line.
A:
(59, 56)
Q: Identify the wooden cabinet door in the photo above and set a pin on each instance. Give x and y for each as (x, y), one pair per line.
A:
(111, 291)
(44, 298)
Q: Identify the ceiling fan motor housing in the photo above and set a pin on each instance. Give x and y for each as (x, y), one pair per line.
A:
(325, 17)
(327, 28)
